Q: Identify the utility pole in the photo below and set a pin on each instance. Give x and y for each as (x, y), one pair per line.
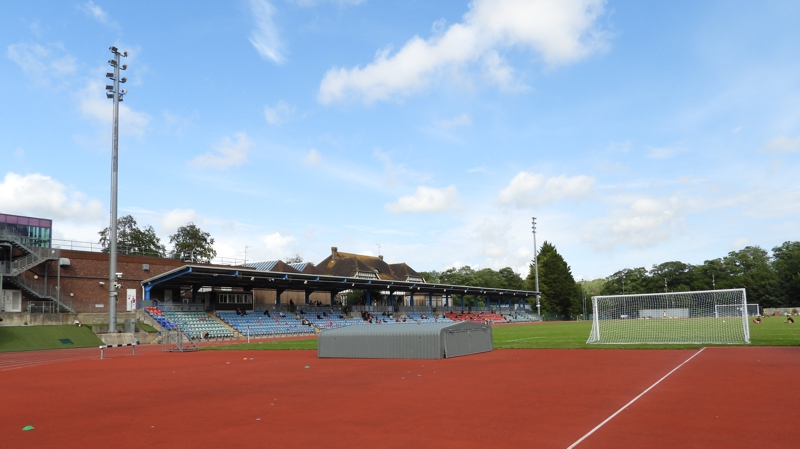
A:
(623, 282)
(116, 94)
(665, 285)
(536, 269)
(713, 282)
(245, 253)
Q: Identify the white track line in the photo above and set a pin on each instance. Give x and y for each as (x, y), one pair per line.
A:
(633, 400)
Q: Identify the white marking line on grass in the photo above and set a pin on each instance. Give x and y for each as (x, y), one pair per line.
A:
(634, 400)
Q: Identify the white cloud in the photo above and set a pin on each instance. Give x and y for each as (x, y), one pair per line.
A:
(97, 13)
(265, 36)
(425, 199)
(171, 220)
(643, 223)
(663, 153)
(229, 153)
(312, 158)
(461, 120)
(277, 243)
(529, 190)
(42, 196)
(782, 144)
(44, 64)
(279, 114)
(560, 32)
(94, 104)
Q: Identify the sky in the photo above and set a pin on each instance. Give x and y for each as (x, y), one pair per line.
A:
(429, 132)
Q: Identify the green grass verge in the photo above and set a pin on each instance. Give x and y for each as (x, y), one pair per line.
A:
(147, 328)
(567, 335)
(573, 335)
(310, 343)
(32, 338)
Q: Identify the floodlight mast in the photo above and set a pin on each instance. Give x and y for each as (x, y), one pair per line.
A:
(536, 269)
(114, 93)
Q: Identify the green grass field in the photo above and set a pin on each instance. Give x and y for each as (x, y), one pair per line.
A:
(32, 338)
(568, 335)
(309, 343)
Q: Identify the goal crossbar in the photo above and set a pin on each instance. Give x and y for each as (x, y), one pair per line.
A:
(699, 317)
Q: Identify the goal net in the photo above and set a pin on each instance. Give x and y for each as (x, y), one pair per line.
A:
(705, 317)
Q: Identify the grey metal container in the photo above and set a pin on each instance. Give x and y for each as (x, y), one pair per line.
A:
(405, 341)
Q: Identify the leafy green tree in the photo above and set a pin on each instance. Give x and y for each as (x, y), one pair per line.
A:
(628, 281)
(750, 268)
(786, 261)
(674, 276)
(560, 294)
(133, 240)
(192, 243)
(511, 279)
(458, 276)
(488, 278)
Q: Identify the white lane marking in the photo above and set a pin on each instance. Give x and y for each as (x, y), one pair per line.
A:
(634, 400)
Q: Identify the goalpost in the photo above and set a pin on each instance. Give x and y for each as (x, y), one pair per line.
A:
(703, 317)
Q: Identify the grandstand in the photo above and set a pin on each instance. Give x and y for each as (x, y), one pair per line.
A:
(196, 325)
(261, 325)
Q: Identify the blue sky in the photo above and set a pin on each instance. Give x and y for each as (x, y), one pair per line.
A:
(636, 132)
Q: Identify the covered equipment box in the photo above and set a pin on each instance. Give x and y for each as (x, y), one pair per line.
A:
(406, 341)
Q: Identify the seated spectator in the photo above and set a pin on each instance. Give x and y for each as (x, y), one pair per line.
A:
(283, 315)
(206, 335)
(266, 312)
(324, 314)
(239, 311)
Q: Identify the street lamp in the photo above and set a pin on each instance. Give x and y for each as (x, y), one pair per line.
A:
(116, 94)
(536, 269)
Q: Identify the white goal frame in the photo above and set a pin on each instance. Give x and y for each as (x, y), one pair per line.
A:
(671, 318)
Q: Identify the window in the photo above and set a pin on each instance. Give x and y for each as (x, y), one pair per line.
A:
(366, 275)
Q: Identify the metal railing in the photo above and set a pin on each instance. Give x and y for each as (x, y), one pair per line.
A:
(43, 291)
(27, 242)
(37, 256)
(122, 249)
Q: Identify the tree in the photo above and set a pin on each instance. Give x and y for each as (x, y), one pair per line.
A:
(133, 240)
(750, 268)
(191, 243)
(511, 279)
(488, 278)
(628, 281)
(786, 261)
(674, 276)
(560, 293)
(294, 259)
(458, 276)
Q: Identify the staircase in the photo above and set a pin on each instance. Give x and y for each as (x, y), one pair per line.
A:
(31, 258)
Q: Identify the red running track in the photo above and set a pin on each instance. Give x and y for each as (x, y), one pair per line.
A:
(506, 398)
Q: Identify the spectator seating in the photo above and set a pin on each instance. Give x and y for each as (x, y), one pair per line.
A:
(196, 324)
(262, 325)
(480, 317)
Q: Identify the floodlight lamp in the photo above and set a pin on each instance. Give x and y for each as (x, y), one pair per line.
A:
(109, 95)
(124, 92)
(113, 49)
(120, 97)
(112, 62)
(109, 87)
(123, 79)
(109, 75)
(124, 54)
(124, 67)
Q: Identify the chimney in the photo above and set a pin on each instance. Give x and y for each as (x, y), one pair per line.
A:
(380, 257)
(334, 253)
